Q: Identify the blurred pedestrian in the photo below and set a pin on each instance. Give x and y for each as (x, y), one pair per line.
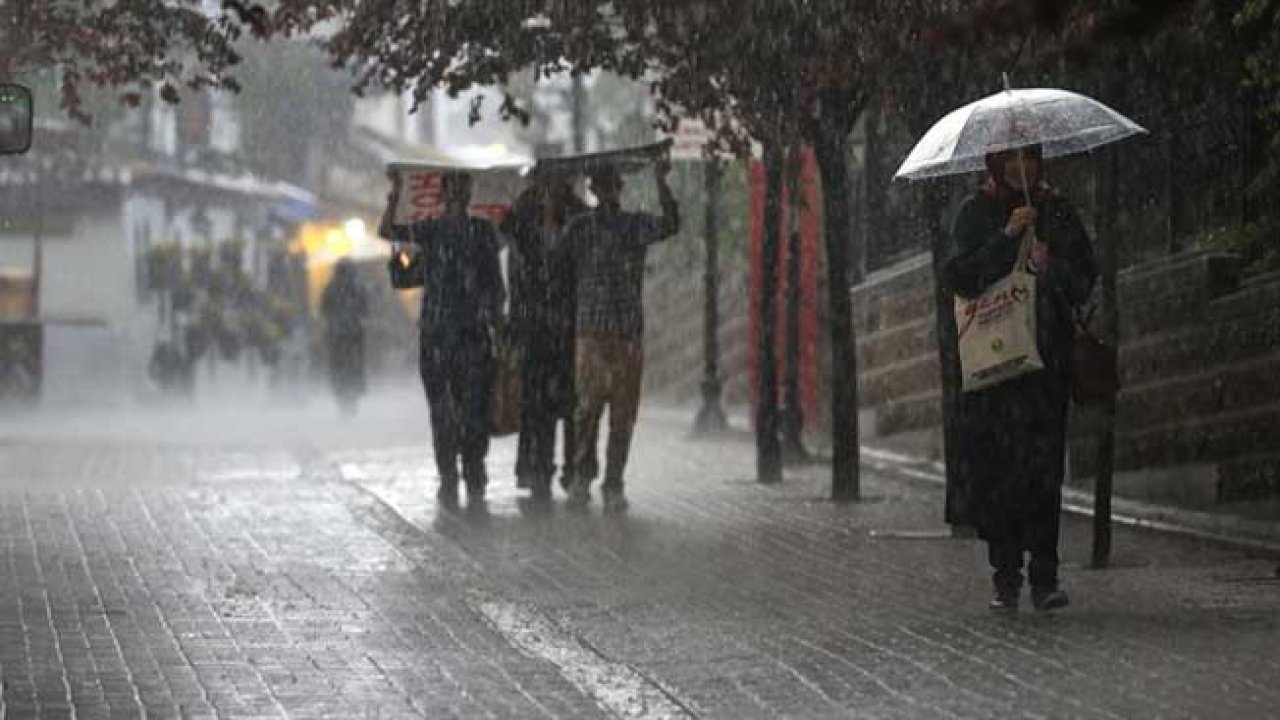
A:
(1013, 435)
(461, 312)
(608, 246)
(344, 305)
(542, 316)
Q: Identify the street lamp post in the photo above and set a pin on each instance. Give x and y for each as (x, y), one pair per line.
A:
(711, 417)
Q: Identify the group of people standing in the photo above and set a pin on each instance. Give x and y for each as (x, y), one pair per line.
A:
(576, 277)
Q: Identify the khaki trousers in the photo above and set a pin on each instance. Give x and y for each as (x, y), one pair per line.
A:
(608, 371)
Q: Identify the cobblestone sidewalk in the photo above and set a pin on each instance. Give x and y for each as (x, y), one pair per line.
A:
(751, 601)
(150, 581)
(166, 583)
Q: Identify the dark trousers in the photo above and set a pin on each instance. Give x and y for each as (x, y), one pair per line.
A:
(536, 459)
(546, 399)
(457, 368)
(1037, 537)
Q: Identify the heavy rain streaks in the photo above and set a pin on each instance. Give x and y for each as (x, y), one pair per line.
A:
(639, 359)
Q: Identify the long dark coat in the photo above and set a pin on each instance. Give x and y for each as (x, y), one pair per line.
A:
(345, 304)
(1012, 437)
(543, 304)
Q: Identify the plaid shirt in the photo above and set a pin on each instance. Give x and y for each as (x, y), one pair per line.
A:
(609, 250)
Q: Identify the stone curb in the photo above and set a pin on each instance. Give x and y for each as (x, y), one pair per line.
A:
(1227, 529)
(1215, 527)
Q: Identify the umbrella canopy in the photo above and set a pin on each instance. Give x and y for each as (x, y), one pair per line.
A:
(1060, 121)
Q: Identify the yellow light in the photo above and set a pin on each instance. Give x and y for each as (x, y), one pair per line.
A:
(355, 230)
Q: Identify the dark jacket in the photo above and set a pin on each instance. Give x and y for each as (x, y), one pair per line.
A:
(1012, 436)
(463, 290)
(542, 284)
(344, 302)
(344, 305)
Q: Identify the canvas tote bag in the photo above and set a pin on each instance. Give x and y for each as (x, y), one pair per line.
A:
(997, 329)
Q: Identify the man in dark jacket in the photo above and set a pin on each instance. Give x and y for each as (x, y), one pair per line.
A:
(461, 307)
(542, 318)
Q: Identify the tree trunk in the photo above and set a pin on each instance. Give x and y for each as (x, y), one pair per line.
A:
(793, 450)
(832, 146)
(711, 418)
(578, 101)
(768, 443)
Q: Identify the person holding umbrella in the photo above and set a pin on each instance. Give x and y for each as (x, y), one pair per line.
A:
(1013, 434)
(1021, 265)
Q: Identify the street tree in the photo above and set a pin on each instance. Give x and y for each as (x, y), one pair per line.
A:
(778, 73)
(133, 47)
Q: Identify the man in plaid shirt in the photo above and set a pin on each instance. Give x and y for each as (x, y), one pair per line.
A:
(608, 247)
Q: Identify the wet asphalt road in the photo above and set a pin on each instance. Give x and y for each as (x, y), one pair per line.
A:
(314, 576)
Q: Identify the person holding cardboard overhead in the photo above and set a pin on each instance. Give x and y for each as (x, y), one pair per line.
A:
(462, 300)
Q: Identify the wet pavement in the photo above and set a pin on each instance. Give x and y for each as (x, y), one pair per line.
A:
(319, 579)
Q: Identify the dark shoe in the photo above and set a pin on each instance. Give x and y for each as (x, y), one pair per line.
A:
(1004, 603)
(447, 495)
(477, 509)
(615, 503)
(534, 481)
(579, 494)
(475, 492)
(1046, 600)
(541, 492)
(1008, 588)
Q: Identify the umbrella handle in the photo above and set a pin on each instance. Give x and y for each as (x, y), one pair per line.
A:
(1022, 159)
(1022, 168)
(1024, 248)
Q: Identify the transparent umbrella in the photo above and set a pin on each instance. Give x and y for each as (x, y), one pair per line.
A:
(1060, 121)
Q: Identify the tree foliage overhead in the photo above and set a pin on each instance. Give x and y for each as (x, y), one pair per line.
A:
(728, 62)
(132, 46)
(1259, 25)
(720, 60)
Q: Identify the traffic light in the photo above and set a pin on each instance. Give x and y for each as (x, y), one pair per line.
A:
(15, 119)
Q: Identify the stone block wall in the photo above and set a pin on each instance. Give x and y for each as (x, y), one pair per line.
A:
(1199, 415)
(1201, 379)
(898, 376)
